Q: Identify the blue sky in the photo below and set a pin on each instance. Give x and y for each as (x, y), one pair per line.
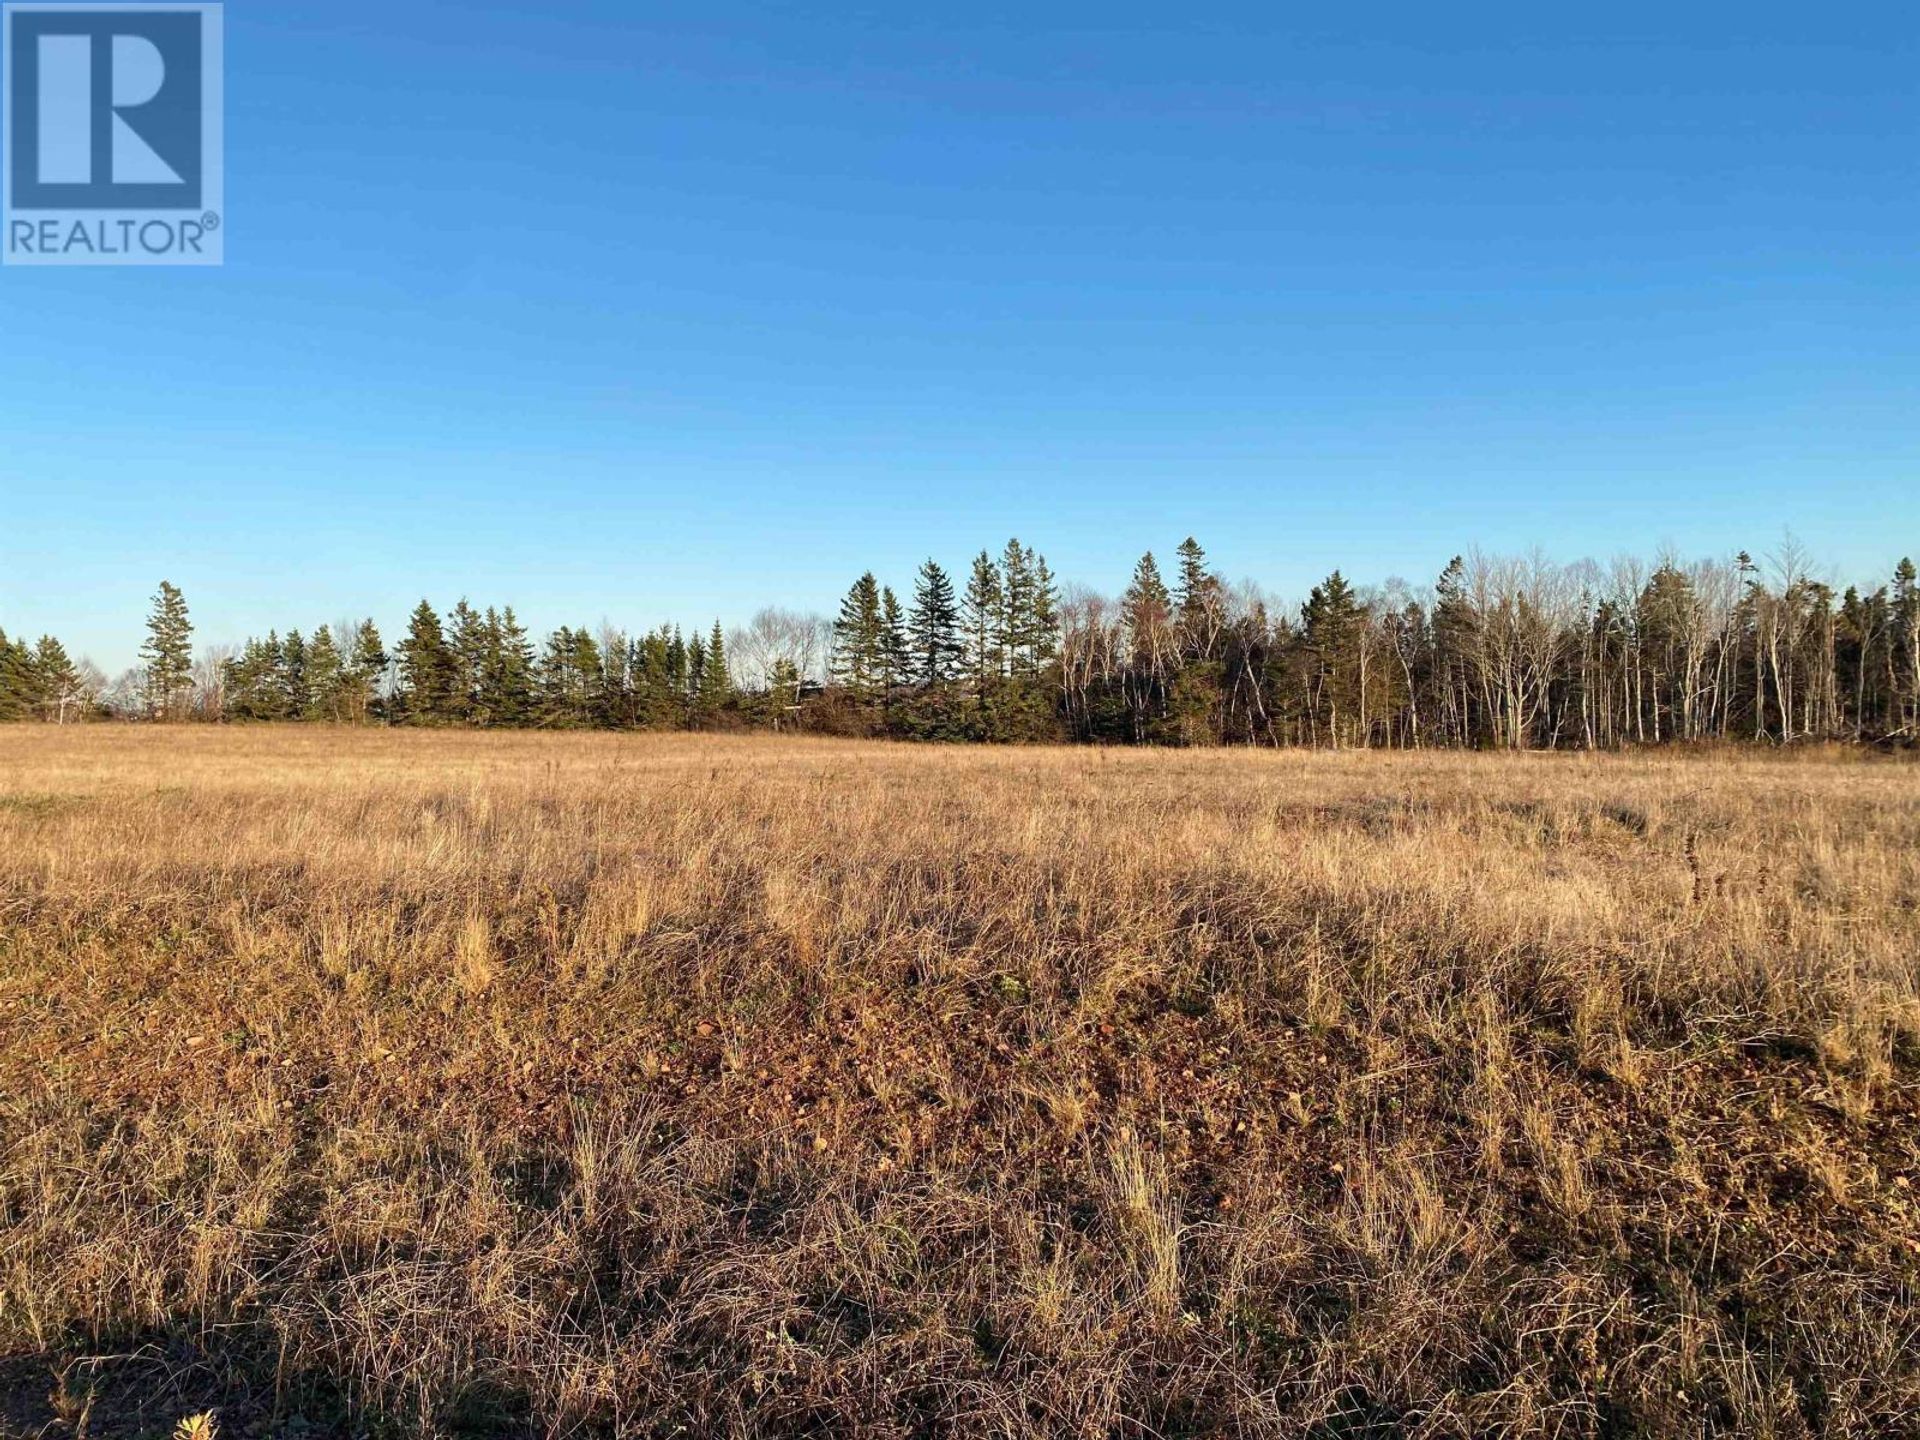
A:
(666, 311)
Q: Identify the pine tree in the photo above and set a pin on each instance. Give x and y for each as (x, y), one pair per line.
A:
(293, 673)
(716, 685)
(507, 677)
(60, 693)
(933, 627)
(696, 674)
(678, 674)
(1015, 631)
(426, 670)
(168, 653)
(326, 678)
(18, 680)
(615, 682)
(783, 690)
(1044, 643)
(365, 674)
(1146, 608)
(1906, 622)
(858, 660)
(466, 632)
(896, 656)
(1198, 601)
(566, 680)
(251, 681)
(984, 612)
(1330, 629)
(1146, 617)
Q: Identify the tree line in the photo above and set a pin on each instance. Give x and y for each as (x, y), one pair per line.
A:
(1496, 653)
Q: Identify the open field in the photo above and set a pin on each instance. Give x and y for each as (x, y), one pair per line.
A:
(534, 1084)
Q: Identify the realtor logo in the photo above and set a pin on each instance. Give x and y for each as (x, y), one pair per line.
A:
(113, 152)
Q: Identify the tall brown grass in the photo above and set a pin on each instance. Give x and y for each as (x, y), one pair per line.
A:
(549, 1085)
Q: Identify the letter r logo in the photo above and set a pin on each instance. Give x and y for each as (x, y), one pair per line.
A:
(67, 117)
(105, 107)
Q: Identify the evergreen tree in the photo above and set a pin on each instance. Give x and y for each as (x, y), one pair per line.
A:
(297, 694)
(253, 683)
(716, 685)
(467, 641)
(506, 684)
(1197, 601)
(933, 627)
(678, 673)
(168, 653)
(1906, 648)
(58, 690)
(1146, 617)
(616, 699)
(984, 609)
(426, 670)
(1456, 631)
(858, 661)
(1330, 629)
(1146, 609)
(1044, 641)
(783, 688)
(365, 673)
(1016, 623)
(326, 678)
(655, 703)
(19, 681)
(696, 665)
(896, 656)
(566, 680)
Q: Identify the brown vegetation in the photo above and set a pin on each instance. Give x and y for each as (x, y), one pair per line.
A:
(532, 1084)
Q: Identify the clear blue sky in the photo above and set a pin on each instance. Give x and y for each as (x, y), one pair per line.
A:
(649, 311)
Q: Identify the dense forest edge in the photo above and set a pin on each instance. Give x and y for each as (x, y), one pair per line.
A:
(1514, 653)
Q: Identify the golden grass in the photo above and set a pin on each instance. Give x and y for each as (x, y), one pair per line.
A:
(529, 1084)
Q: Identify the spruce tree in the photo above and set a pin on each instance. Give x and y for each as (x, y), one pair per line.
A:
(716, 685)
(1016, 606)
(168, 653)
(1146, 607)
(426, 670)
(1197, 601)
(896, 655)
(293, 671)
(858, 661)
(984, 611)
(1330, 624)
(1906, 621)
(507, 683)
(654, 700)
(615, 700)
(326, 678)
(366, 673)
(60, 692)
(696, 677)
(566, 680)
(1045, 644)
(16, 680)
(678, 678)
(1456, 628)
(783, 690)
(933, 627)
(466, 633)
(251, 681)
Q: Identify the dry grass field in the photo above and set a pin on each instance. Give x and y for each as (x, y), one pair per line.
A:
(405, 1083)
